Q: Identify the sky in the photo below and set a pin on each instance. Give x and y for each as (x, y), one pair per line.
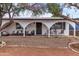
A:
(73, 13)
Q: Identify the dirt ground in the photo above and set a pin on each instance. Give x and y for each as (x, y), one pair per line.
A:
(32, 51)
(36, 41)
(37, 46)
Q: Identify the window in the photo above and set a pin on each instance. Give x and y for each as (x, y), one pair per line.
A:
(63, 25)
(18, 26)
(60, 25)
(77, 26)
(70, 27)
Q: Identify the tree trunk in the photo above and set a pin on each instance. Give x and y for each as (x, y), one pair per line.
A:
(0, 25)
(0, 22)
(10, 18)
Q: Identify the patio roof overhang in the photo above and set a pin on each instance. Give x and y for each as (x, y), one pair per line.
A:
(44, 18)
(36, 18)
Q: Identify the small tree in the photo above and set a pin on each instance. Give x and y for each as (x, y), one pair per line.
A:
(36, 8)
(2, 13)
(11, 10)
(54, 9)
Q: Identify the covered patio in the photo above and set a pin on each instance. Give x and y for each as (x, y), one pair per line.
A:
(39, 26)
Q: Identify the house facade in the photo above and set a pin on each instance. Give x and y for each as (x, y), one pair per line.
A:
(38, 26)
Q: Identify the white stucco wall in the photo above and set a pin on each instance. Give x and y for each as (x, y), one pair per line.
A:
(31, 27)
(10, 29)
(46, 25)
(44, 29)
(66, 31)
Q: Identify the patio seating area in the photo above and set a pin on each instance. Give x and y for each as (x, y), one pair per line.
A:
(17, 33)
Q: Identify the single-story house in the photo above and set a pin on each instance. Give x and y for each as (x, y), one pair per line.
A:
(39, 26)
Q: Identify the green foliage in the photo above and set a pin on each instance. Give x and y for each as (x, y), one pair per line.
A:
(36, 10)
(54, 9)
(2, 7)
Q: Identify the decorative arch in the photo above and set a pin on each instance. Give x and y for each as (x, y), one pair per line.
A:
(71, 30)
(8, 24)
(34, 28)
(5, 24)
(57, 28)
(18, 23)
(11, 28)
(70, 23)
(30, 28)
(37, 21)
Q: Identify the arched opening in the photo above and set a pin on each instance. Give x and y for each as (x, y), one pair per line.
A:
(71, 30)
(36, 28)
(62, 28)
(18, 30)
(57, 28)
(30, 29)
(6, 24)
(12, 29)
(77, 29)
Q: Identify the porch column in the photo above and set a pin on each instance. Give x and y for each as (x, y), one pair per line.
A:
(66, 32)
(23, 24)
(74, 30)
(0, 33)
(48, 32)
(24, 32)
(35, 28)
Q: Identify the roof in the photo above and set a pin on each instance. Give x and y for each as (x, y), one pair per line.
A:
(76, 20)
(35, 18)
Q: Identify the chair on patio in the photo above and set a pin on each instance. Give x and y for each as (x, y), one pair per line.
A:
(62, 31)
(32, 32)
(19, 32)
(4, 33)
(29, 32)
(14, 32)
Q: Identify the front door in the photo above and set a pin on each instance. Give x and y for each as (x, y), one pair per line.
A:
(38, 28)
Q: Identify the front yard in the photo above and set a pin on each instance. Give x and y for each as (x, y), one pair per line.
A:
(37, 45)
(33, 51)
(36, 41)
